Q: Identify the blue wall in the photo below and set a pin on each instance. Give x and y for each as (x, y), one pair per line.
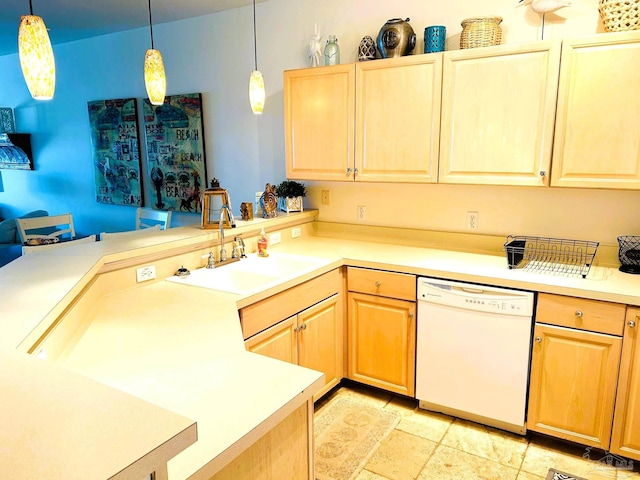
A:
(206, 54)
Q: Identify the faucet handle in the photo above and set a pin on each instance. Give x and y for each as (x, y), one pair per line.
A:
(238, 250)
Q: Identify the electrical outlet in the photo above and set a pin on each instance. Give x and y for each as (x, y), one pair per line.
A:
(144, 274)
(275, 238)
(472, 220)
(362, 213)
(326, 197)
(295, 232)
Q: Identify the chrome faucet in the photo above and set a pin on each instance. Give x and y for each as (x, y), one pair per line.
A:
(223, 251)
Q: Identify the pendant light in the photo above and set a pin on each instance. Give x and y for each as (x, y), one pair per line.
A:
(36, 56)
(256, 81)
(154, 77)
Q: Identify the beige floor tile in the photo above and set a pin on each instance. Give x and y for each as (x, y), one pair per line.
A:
(451, 464)
(528, 476)
(486, 442)
(566, 458)
(400, 456)
(367, 475)
(429, 425)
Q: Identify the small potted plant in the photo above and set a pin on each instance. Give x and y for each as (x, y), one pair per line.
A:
(290, 195)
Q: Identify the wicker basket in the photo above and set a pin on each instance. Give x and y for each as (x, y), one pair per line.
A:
(620, 15)
(481, 32)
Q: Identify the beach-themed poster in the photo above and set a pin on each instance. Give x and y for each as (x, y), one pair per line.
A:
(115, 151)
(175, 153)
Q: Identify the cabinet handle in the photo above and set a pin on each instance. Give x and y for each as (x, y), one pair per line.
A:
(378, 283)
(632, 323)
(579, 313)
(296, 329)
(348, 171)
(411, 316)
(303, 326)
(538, 339)
(543, 173)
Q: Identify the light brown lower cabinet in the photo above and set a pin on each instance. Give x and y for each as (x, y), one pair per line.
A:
(625, 439)
(381, 325)
(309, 339)
(382, 342)
(302, 325)
(573, 383)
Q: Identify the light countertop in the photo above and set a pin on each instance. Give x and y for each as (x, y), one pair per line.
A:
(181, 348)
(62, 426)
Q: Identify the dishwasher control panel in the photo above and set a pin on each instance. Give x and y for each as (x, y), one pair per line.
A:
(475, 297)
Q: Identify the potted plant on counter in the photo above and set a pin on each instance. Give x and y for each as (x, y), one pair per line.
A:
(290, 195)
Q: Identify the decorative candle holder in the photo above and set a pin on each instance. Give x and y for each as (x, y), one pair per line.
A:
(434, 38)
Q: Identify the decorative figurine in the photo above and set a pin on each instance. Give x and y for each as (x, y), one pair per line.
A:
(396, 38)
(547, 6)
(367, 49)
(315, 48)
(269, 201)
(246, 209)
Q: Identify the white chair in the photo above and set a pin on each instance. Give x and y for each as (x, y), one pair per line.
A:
(50, 226)
(146, 217)
(129, 233)
(26, 249)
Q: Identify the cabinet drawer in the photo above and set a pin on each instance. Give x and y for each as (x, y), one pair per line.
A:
(260, 316)
(580, 313)
(378, 282)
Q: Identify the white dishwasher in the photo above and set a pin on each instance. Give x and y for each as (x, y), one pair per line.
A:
(473, 351)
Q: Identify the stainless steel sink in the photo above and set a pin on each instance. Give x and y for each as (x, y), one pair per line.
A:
(252, 274)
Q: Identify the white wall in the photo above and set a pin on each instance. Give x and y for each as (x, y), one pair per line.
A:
(214, 55)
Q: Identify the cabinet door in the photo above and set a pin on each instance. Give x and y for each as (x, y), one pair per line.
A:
(398, 119)
(319, 107)
(498, 110)
(278, 341)
(381, 342)
(573, 383)
(596, 139)
(320, 341)
(625, 439)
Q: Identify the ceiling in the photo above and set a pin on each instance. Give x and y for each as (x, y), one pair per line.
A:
(69, 20)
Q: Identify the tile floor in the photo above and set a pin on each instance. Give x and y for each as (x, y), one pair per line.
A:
(431, 446)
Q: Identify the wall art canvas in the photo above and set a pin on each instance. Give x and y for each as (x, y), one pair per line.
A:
(175, 152)
(116, 151)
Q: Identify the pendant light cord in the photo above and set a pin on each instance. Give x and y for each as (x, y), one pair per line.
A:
(150, 25)
(30, 7)
(255, 41)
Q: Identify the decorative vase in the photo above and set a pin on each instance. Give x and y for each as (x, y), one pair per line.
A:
(290, 204)
(332, 51)
(434, 38)
(396, 38)
(367, 49)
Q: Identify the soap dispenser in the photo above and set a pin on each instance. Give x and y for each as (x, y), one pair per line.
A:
(262, 244)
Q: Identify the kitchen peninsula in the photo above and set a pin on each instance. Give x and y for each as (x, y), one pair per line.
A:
(181, 347)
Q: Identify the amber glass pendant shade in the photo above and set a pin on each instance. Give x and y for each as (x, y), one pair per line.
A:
(256, 92)
(154, 77)
(36, 57)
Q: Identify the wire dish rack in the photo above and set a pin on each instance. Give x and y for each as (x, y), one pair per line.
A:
(550, 255)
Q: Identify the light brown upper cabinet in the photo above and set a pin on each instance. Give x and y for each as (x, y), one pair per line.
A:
(498, 111)
(596, 139)
(374, 121)
(398, 119)
(319, 106)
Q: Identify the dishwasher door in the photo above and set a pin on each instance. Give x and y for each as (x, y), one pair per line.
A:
(473, 352)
